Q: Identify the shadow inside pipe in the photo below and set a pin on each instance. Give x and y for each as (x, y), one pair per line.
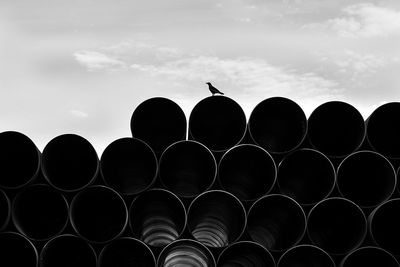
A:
(369, 256)
(17, 250)
(305, 256)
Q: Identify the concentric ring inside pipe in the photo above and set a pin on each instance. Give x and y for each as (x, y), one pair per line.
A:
(5, 210)
(129, 166)
(336, 225)
(278, 125)
(69, 162)
(383, 130)
(367, 178)
(244, 254)
(369, 256)
(159, 122)
(98, 214)
(126, 252)
(216, 218)
(40, 212)
(67, 250)
(186, 252)
(157, 217)
(336, 129)
(17, 250)
(217, 122)
(19, 160)
(276, 222)
(305, 256)
(247, 171)
(187, 168)
(306, 175)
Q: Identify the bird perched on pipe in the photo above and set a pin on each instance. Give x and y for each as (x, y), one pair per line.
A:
(213, 90)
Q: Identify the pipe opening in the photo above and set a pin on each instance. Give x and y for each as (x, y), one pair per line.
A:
(187, 168)
(157, 217)
(40, 212)
(367, 178)
(305, 256)
(69, 162)
(217, 122)
(98, 214)
(336, 129)
(19, 160)
(306, 175)
(336, 225)
(129, 166)
(67, 250)
(247, 171)
(369, 256)
(276, 222)
(278, 125)
(5, 210)
(17, 250)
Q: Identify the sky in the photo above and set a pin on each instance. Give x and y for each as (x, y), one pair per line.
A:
(83, 66)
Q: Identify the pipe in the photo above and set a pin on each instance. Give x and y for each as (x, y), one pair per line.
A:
(305, 256)
(276, 222)
(20, 160)
(217, 122)
(336, 129)
(69, 162)
(98, 214)
(369, 256)
(5, 208)
(67, 250)
(336, 225)
(247, 171)
(244, 254)
(159, 122)
(17, 250)
(186, 252)
(187, 168)
(39, 212)
(306, 175)
(157, 217)
(366, 178)
(126, 252)
(383, 130)
(383, 226)
(129, 166)
(278, 125)
(216, 218)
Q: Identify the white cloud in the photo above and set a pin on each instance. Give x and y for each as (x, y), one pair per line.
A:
(78, 113)
(94, 61)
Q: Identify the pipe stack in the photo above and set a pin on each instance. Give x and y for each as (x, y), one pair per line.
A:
(278, 189)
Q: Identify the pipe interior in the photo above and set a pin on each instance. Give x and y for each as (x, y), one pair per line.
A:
(17, 250)
(305, 256)
(369, 256)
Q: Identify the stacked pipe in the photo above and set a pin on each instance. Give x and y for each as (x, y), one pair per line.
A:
(276, 190)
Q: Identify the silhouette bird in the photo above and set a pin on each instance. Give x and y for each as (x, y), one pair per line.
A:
(213, 90)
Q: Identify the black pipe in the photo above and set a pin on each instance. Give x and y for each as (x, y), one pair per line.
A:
(159, 122)
(186, 252)
(157, 217)
(278, 125)
(40, 212)
(98, 214)
(369, 256)
(187, 168)
(306, 175)
(126, 252)
(19, 160)
(247, 171)
(67, 250)
(336, 129)
(69, 162)
(129, 166)
(217, 122)
(245, 254)
(367, 178)
(216, 218)
(383, 130)
(17, 250)
(336, 225)
(383, 226)
(305, 256)
(5, 210)
(277, 222)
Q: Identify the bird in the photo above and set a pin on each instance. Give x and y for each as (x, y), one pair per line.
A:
(213, 90)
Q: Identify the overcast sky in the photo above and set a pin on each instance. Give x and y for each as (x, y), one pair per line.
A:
(82, 66)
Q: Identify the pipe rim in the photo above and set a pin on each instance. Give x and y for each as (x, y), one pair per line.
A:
(27, 240)
(367, 247)
(308, 246)
(8, 209)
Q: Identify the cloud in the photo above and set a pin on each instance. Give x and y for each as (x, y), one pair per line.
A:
(95, 61)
